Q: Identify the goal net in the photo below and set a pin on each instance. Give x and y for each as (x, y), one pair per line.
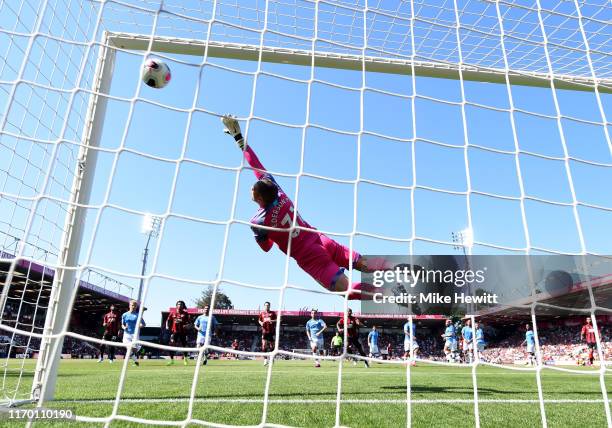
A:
(391, 124)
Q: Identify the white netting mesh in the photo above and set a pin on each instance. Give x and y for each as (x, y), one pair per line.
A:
(530, 158)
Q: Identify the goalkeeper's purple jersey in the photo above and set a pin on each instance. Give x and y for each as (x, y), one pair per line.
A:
(279, 214)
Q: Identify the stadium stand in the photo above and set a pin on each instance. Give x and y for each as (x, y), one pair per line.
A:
(27, 300)
(559, 338)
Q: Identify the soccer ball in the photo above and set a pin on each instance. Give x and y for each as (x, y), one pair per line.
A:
(156, 73)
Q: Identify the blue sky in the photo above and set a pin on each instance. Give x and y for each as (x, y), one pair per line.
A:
(147, 145)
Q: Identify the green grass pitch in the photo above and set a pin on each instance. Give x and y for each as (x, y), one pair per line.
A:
(232, 392)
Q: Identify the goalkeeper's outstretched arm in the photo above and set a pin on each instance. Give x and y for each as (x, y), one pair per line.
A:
(232, 127)
(266, 189)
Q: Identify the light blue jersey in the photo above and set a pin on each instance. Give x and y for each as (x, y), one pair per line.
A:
(129, 320)
(530, 337)
(315, 326)
(373, 338)
(450, 333)
(480, 336)
(407, 327)
(466, 333)
(201, 324)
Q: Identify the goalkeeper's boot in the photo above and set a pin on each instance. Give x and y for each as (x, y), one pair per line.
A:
(185, 361)
(170, 363)
(136, 363)
(100, 360)
(366, 364)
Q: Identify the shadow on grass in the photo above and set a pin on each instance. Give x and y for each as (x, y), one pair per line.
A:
(485, 391)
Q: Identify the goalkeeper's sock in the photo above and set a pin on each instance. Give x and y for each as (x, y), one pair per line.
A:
(361, 291)
(378, 263)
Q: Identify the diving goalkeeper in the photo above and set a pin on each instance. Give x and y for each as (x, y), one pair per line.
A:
(318, 255)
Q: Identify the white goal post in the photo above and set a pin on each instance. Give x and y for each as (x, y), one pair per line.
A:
(65, 287)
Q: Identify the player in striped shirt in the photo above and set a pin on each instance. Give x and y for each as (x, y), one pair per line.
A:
(128, 324)
(111, 323)
(314, 331)
(267, 321)
(352, 333)
(321, 257)
(178, 324)
(588, 335)
(530, 342)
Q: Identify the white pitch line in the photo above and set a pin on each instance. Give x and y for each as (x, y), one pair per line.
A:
(325, 401)
(361, 371)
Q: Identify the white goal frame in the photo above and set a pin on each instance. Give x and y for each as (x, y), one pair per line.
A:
(64, 285)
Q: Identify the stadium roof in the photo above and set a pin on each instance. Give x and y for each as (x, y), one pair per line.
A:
(562, 303)
(32, 282)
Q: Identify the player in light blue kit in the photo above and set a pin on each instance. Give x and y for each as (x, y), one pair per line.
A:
(314, 330)
(480, 339)
(373, 342)
(201, 324)
(128, 324)
(467, 337)
(410, 341)
(450, 341)
(530, 342)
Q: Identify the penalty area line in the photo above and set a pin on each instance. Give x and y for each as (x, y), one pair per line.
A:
(329, 401)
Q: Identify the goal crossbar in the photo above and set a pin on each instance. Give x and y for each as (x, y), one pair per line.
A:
(303, 57)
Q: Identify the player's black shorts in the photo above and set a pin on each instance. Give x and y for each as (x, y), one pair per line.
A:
(110, 336)
(592, 345)
(178, 339)
(269, 337)
(353, 342)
